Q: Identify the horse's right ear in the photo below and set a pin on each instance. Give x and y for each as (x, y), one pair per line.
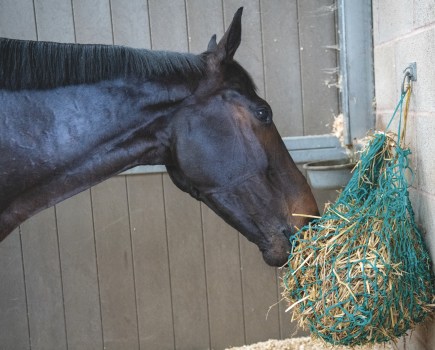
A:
(229, 43)
(212, 44)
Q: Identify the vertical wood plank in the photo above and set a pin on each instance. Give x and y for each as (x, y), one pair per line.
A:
(14, 334)
(43, 282)
(115, 268)
(79, 273)
(204, 18)
(224, 287)
(281, 64)
(130, 23)
(17, 19)
(168, 25)
(151, 261)
(259, 293)
(250, 53)
(92, 21)
(189, 295)
(317, 34)
(54, 20)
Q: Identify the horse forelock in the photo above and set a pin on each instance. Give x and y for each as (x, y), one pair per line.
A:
(44, 65)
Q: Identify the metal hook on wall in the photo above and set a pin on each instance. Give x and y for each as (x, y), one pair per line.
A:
(410, 75)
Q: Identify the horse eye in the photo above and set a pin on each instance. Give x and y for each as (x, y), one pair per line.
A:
(264, 114)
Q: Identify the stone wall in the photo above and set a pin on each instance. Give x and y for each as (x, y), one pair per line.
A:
(404, 32)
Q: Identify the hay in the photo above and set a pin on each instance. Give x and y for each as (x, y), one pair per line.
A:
(361, 273)
(303, 343)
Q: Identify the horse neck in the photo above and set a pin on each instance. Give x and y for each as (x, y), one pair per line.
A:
(132, 121)
(94, 132)
(142, 115)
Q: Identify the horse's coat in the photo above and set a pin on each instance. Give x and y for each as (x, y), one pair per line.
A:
(74, 115)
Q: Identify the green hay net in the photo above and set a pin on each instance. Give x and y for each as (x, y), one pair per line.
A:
(361, 273)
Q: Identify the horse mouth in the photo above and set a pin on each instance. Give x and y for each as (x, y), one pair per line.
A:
(272, 259)
(276, 252)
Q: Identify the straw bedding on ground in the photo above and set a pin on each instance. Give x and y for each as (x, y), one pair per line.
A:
(305, 343)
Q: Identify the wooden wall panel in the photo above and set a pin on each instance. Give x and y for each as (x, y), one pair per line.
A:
(17, 19)
(54, 20)
(224, 288)
(151, 261)
(14, 328)
(317, 35)
(115, 265)
(279, 20)
(186, 259)
(92, 21)
(131, 25)
(43, 282)
(134, 262)
(79, 273)
(259, 283)
(168, 25)
(204, 18)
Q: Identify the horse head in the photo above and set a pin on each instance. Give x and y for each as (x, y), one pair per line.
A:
(199, 115)
(227, 152)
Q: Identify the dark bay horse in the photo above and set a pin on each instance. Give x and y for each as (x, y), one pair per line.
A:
(74, 115)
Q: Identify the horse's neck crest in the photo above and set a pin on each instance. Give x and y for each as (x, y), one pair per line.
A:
(44, 65)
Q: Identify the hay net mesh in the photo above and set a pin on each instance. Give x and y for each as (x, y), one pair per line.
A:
(361, 273)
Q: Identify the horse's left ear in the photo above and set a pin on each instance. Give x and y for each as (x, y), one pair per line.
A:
(229, 43)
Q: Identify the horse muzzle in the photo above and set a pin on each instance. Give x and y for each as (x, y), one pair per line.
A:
(276, 251)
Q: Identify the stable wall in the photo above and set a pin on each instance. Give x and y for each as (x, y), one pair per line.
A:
(404, 32)
(134, 262)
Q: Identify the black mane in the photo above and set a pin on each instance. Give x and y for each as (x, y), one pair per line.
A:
(44, 65)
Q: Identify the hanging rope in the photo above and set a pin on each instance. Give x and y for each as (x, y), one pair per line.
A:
(405, 114)
(361, 273)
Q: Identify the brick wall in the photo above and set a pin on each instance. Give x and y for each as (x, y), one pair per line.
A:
(404, 32)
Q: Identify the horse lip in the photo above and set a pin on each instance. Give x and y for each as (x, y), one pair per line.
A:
(288, 232)
(272, 260)
(276, 248)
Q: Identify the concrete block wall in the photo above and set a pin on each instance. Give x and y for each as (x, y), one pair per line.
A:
(404, 32)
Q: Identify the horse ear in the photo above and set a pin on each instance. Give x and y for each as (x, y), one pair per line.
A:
(231, 40)
(212, 44)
